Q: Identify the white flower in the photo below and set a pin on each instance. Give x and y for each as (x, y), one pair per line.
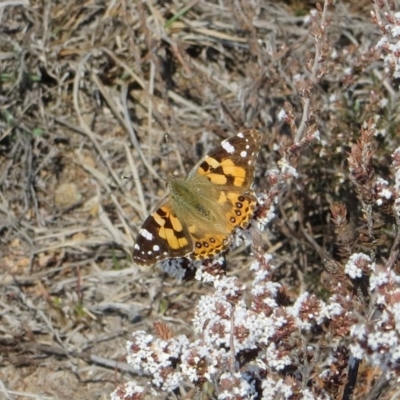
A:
(352, 267)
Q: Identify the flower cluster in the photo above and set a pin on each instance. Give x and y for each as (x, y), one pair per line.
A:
(377, 339)
(157, 358)
(253, 351)
(390, 43)
(244, 350)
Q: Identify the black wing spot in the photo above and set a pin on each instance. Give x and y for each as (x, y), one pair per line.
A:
(205, 166)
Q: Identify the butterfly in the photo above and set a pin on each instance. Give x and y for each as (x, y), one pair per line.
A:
(197, 217)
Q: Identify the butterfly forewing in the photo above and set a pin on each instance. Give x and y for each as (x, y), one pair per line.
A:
(198, 216)
(232, 163)
(161, 236)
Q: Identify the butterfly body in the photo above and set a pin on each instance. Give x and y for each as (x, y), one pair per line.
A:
(197, 217)
(188, 197)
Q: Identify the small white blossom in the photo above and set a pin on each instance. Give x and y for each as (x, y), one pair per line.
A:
(382, 42)
(334, 309)
(358, 331)
(129, 389)
(348, 71)
(275, 358)
(295, 310)
(357, 351)
(204, 276)
(241, 387)
(352, 269)
(378, 279)
(395, 31)
(287, 169)
(281, 115)
(275, 389)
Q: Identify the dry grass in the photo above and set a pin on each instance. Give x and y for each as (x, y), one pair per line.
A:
(88, 91)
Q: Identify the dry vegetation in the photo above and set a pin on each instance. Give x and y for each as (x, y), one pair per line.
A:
(88, 91)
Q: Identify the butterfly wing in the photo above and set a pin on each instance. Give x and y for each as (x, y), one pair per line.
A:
(161, 236)
(231, 165)
(229, 168)
(212, 239)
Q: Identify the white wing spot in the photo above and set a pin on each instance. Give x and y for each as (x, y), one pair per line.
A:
(228, 147)
(243, 154)
(247, 146)
(146, 234)
(137, 247)
(240, 135)
(156, 247)
(149, 252)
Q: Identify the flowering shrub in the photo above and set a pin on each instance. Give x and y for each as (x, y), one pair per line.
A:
(260, 342)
